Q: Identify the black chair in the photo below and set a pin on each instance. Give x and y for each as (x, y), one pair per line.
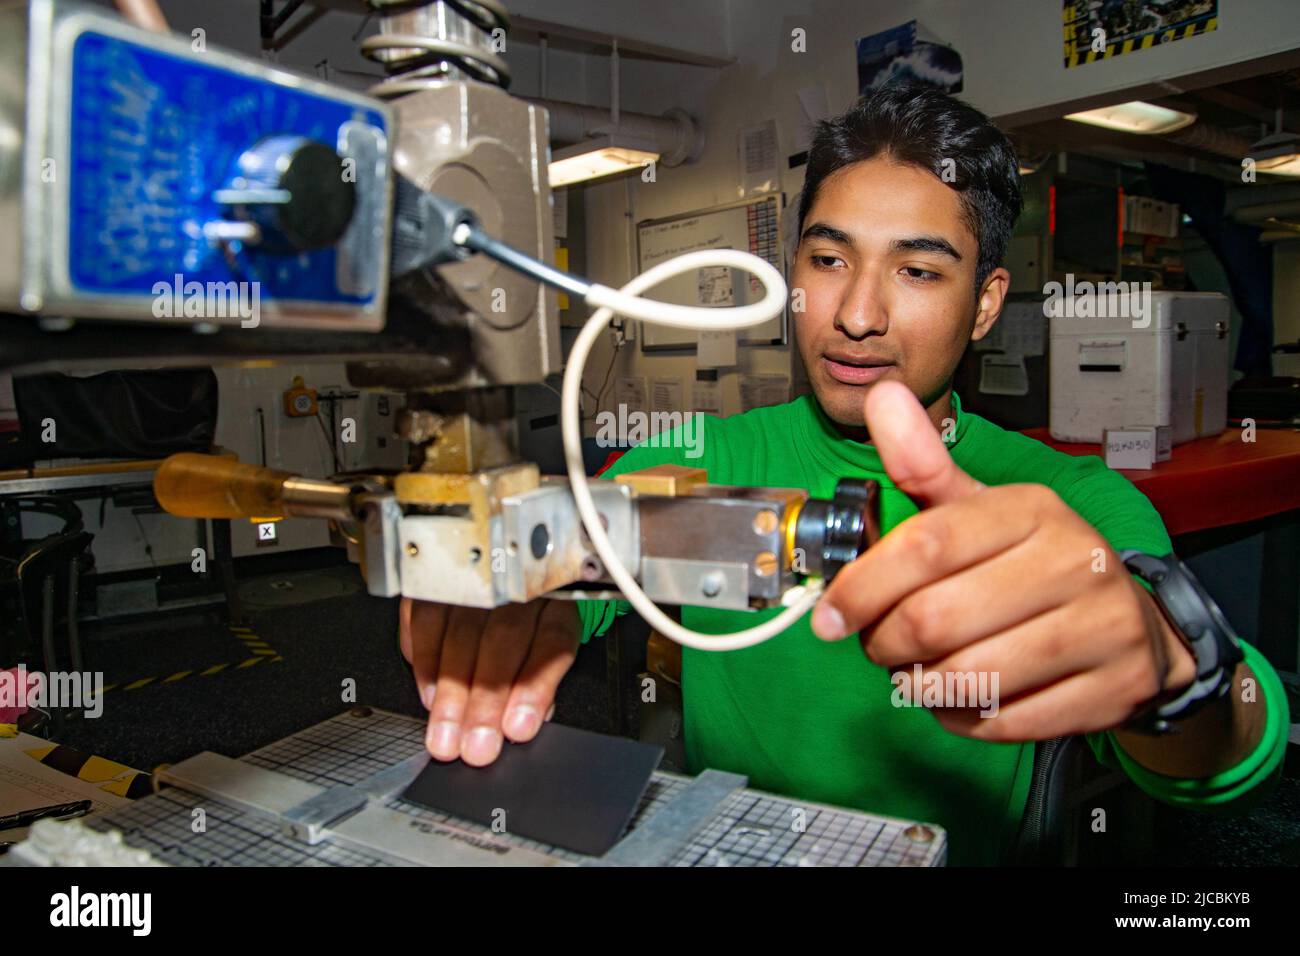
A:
(1081, 813)
(40, 579)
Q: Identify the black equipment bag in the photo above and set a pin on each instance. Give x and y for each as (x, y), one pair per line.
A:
(126, 414)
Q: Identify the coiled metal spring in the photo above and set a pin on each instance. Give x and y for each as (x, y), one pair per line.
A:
(421, 43)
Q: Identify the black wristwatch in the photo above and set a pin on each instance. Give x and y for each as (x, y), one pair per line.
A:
(1195, 616)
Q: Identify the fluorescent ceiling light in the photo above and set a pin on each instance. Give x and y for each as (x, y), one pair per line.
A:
(598, 158)
(1136, 117)
(1285, 165)
(1277, 153)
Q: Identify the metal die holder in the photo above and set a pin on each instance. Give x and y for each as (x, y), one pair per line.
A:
(546, 546)
(718, 546)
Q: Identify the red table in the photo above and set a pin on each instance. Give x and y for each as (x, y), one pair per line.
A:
(1213, 482)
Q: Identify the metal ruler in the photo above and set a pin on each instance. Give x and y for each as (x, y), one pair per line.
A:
(329, 796)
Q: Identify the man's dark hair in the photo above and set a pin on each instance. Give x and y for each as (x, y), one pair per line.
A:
(922, 126)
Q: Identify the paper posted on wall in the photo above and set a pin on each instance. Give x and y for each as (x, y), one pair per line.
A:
(757, 146)
(760, 391)
(707, 398)
(630, 393)
(1021, 329)
(717, 349)
(715, 286)
(1003, 374)
(666, 395)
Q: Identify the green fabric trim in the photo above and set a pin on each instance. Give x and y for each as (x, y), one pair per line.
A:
(597, 616)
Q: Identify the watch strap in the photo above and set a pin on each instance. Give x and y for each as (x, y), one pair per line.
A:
(1196, 617)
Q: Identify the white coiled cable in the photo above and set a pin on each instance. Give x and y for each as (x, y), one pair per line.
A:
(627, 301)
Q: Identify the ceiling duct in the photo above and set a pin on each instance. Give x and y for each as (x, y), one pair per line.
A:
(676, 136)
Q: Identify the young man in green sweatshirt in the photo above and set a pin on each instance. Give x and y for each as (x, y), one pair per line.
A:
(999, 556)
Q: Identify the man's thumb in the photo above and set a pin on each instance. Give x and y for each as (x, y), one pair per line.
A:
(910, 448)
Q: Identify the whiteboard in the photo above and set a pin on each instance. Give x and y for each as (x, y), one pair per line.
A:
(752, 225)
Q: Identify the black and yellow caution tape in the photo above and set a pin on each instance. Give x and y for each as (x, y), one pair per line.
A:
(257, 649)
(109, 775)
(255, 645)
(1076, 57)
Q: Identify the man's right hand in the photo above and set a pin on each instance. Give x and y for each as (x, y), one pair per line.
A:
(487, 676)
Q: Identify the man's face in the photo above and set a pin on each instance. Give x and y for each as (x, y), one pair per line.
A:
(887, 268)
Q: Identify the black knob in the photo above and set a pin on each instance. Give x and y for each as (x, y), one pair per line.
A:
(833, 533)
(298, 191)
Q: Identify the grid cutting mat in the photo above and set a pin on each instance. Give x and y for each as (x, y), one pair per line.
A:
(750, 829)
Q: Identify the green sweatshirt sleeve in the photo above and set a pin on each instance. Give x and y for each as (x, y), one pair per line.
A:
(1236, 789)
(597, 616)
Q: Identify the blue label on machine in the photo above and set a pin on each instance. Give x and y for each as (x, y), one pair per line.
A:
(153, 136)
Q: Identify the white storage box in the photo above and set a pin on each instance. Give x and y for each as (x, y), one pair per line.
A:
(1155, 358)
